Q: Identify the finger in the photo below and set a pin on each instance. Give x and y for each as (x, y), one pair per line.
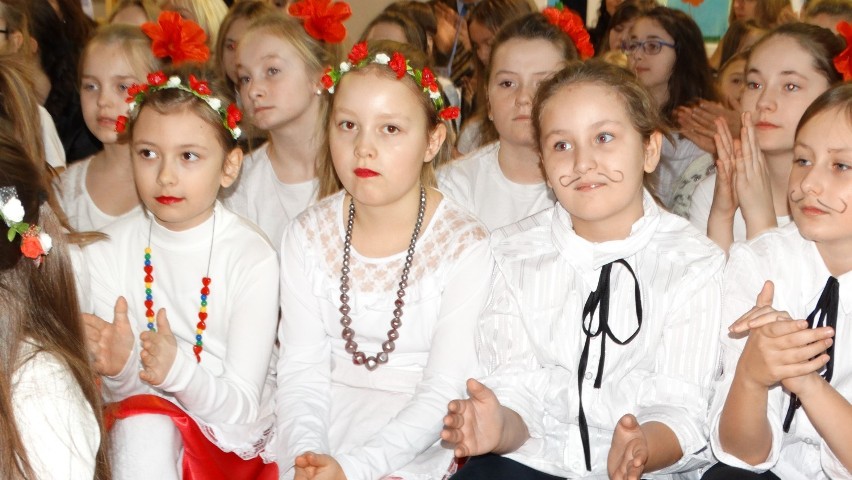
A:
(456, 406)
(804, 337)
(480, 392)
(301, 461)
(780, 329)
(163, 326)
(766, 319)
(798, 369)
(744, 323)
(451, 435)
(725, 134)
(94, 321)
(767, 293)
(120, 313)
(806, 352)
(461, 450)
(453, 421)
(628, 422)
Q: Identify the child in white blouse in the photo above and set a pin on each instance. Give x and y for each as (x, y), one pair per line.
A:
(381, 284)
(783, 407)
(190, 293)
(598, 336)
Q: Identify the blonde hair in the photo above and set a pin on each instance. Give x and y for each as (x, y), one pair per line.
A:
(208, 14)
(135, 45)
(148, 6)
(244, 10)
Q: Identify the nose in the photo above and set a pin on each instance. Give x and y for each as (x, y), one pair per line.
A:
(166, 175)
(583, 160)
(254, 89)
(364, 147)
(526, 93)
(766, 99)
(813, 181)
(104, 99)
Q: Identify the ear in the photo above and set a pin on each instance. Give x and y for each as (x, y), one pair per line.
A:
(34, 44)
(436, 140)
(16, 39)
(653, 149)
(231, 167)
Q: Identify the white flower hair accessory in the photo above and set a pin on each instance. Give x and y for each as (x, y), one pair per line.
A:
(34, 243)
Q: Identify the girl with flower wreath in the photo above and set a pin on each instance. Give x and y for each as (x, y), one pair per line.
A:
(502, 182)
(381, 284)
(185, 295)
(98, 190)
(278, 71)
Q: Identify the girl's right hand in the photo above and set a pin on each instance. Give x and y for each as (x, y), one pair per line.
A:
(725, 201)
(109, 344)
(474, 425)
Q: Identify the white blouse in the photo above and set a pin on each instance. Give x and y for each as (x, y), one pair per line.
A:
(388, 420)
(230, 392)
(532, 336)
(478, 184)
(796, 267)
(83, 214)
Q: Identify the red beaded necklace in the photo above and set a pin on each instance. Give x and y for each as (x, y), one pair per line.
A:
(205, 291)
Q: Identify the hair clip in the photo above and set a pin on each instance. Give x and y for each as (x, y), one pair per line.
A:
(34, 243)
(322, 19)
(178, 39)
(572, 24)
(230, 115)
(360, 57)
(843, 60)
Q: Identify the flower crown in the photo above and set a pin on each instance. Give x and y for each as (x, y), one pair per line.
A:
(572, 24)
(230, 115)
(360, 57)
(34, 243)
(322, 19)
(843, 60)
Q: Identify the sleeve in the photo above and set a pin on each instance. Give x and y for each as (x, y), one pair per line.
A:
(452, 360)
(742, 283)
(234, 396)
(54, 153)
(453, 183)
(303, 396)
(56, 423)
(678, 393)
(506, 353)
(702, 199)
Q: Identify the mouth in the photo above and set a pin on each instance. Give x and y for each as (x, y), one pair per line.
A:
(365, 173)
(588, 186)
(765, 125)
(165, 200)
(106, 122)
(811, 211)
(522, 118)
(261, 109)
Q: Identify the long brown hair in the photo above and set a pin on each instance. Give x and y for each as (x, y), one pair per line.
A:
(38, 305)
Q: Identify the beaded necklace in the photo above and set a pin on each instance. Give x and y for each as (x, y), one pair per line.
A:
(205, 291)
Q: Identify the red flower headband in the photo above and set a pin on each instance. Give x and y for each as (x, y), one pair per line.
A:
(843, 61)
(176, 38)
(322, 19)
(572, 24)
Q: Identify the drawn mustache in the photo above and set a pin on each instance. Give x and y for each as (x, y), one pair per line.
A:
(568, 180)
(793, 199)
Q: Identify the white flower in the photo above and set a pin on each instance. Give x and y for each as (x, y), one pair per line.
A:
(174, 81)
(382, 58)
(434, 95)
(214, 103)
(345, 67)
(331, 89)
(45, 241)
(131, 107)
(237, 133)
(13, 211)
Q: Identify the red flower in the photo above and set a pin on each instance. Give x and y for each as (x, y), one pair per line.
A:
(234, 116)
(200, 86)
(136, 89)
(31, 246)
(358, 53)
(843, 61)
(176, 38)
(121, 124)
(427, 79)
(322, 19)
(327, 82)
(397, 64)
(157, 78)
(450, 113)
(694, 3)
(572, 24)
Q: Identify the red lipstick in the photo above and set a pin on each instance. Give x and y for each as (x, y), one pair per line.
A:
(168, 200)
(365, 173)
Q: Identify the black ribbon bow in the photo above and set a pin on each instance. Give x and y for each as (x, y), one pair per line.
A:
(826, 307)
(600, 298)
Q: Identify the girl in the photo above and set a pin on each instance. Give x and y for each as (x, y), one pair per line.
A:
(787, 69)
(50, 411)
(666, 51)
(98, 190)
(232, 30)
(161, 352)
(279, 66)
(502, 182)
(342, 408)
(631, 384)
(783, 405)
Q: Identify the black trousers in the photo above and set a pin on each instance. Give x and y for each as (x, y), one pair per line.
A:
(720, 471)
(495, 467)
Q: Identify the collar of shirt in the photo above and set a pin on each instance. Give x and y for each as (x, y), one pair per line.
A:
(823, 274)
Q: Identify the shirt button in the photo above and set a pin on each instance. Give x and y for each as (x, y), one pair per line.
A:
(808, 441)
(588, 375)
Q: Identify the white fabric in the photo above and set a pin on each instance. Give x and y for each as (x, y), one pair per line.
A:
(470, 137)
(478, 184)
(702, 200)
(674, 160)
(83, 214)
(531, 336)
(230, 392)
(799, 274)
(56, 423)
(387, 420)
(158, 437)
(265, 200)
(54, 152)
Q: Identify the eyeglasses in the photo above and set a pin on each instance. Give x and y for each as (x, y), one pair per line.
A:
(4, 31)
(650, 47)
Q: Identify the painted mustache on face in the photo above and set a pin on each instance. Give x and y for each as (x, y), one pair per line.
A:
(568, 180)
(794, 199)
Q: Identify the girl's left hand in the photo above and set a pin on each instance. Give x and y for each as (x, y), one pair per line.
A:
(158, 351)
(754, 190)
(629, 451)
(316, 466)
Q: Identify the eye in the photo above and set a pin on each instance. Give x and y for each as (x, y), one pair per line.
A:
(753, 85)
(231, 46)
(801, 162)
(791, 87)
(123, 87)
(243, 79)
(506, 84)
(189, 156)
(346, 125)
(842, 167)
(562, 146)
(604, 137)
(88, 87)
(146, 153)
(272, 71)
(391, 129)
